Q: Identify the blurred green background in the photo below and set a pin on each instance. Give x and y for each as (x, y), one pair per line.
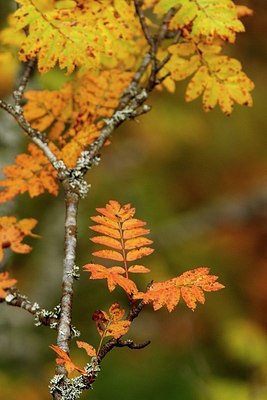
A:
(200, 181)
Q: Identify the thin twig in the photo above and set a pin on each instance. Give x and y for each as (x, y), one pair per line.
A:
(112, 343)
(19, 92)
(16, 299)
(143, 24)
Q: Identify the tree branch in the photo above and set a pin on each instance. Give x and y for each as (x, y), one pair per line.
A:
(42, 317)
(142, 20)
(19, 92)
(64, 328)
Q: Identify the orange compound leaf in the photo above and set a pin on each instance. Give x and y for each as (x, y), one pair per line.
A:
(65, 359)
(5, 283)
(111, 324)
(113, 276)
(32, 173)
(160, 294)
(90, 350)
(191, 286)
(12, 232)
(121, 232)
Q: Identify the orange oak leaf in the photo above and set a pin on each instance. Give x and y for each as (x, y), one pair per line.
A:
(65, 359)
(32, 173)
(191, 286)
(113, 275)
(90, 350)
(111, 324)
(12, 232)
(5, 283)
(125, 234)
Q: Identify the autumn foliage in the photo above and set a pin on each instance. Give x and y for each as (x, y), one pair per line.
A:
(114, 53)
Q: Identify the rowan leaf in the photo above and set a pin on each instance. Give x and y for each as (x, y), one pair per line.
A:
(32, 173)
(137, 242)
(138, 269)
(125, 234)
(5, 283)
(105, 221)
(204, 18)
(90, 350)
(110, 254)
(191, 286)
(107, 241)
(106, 231)
(113, 276)
(12, 232)
(132, 223)
(73, 34)
(73, 116)
(65, 359)
(221, 80)
(111, 324)
(133, 255)
(132, 233)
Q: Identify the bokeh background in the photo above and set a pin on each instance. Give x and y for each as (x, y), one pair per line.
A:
(200, 180)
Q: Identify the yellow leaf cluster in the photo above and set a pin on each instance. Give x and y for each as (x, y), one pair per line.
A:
(78, 33)
(219, 78)
(204, 18)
